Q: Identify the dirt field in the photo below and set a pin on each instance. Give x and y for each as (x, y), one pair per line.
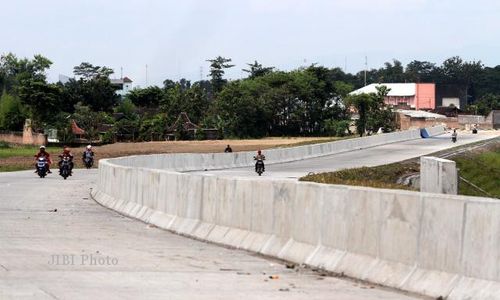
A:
(123, 149)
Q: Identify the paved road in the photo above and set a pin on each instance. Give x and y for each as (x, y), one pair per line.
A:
(367, 157)
(109, 256)
(85, 251)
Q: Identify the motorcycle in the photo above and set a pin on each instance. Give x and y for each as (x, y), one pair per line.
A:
(259, 166)
(454, 138)
(41, 167)
(88, 161)
(64, 168)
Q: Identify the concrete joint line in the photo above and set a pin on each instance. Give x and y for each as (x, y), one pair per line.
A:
(311, 256)
(408, 276)
(285, 248)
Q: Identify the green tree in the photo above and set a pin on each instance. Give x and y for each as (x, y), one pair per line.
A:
(373, 113)
(217, 67)
(12, 113)
(257, 70)
(93, 88)
(147, 97)
(485, 104)
(89, 120)
(420, 71)
(87, 71)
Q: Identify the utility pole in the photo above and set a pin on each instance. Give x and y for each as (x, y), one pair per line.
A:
(345, 65)
(146, 75)
(121, 72)
(201, 73)
(366, 66)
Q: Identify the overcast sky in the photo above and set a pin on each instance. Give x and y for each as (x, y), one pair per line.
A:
(174, 38)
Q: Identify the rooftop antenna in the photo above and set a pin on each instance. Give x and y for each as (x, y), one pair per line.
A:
(366, 66)
(146, 75)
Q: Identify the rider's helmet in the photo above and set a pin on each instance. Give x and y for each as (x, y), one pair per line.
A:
(42, 147)
(259, 152)
(89, 147)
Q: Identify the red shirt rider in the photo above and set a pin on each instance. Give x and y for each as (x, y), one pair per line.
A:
(43, 153)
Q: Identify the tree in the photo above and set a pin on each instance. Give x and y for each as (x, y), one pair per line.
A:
(94, 88)
(420, 71)
(373, 113)
(486, 104)
(89, 120)
(257, 70)
(147, 97)
(217, 67)
(87, 71)
(12, 113)
(391, 73)
(26, 80)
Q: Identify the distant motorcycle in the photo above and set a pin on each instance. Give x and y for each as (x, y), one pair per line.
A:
(259, 166)
(454, 139)
(64, 168)
(41, 167)
(88, 161)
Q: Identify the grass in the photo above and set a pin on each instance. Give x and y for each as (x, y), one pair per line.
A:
(12, 168)
(481, 167)
(379, 177)
(482, 170)
(7, 150)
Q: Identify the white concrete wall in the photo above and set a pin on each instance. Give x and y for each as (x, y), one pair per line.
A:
(432, 244)
(438, 175)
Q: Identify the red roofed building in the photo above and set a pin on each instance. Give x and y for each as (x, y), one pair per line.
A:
(77, 130)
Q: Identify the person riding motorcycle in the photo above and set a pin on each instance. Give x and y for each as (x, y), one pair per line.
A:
(454, 135)
(88, 153)
(46, 155)
(66, 153)
(260, 158)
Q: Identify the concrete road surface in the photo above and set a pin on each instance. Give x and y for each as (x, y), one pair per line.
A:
(367, 157)
(85, 251)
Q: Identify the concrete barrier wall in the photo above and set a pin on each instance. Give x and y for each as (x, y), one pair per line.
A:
(432, 244)
(189, 162)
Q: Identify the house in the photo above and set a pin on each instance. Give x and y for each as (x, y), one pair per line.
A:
(184, 129)
(409, 95)
(122, 85)
(410, 119)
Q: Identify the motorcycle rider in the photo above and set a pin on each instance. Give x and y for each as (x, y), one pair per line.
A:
(66, 153)
(88, 153)
(454, 135)
(46, 155)
(260, 157)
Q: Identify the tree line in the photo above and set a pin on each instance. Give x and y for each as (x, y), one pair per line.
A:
(311, 100)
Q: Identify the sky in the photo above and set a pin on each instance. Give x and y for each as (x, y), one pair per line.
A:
(175, 38)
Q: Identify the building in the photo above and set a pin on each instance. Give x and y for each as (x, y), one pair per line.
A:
(123, 85)
(410, 119)
(410, 95)
(451, 94)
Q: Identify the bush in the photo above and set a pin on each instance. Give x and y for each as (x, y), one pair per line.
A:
(4, 145)
(200, 135)
(337, 127)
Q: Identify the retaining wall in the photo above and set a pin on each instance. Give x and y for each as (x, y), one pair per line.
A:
(432, 244)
